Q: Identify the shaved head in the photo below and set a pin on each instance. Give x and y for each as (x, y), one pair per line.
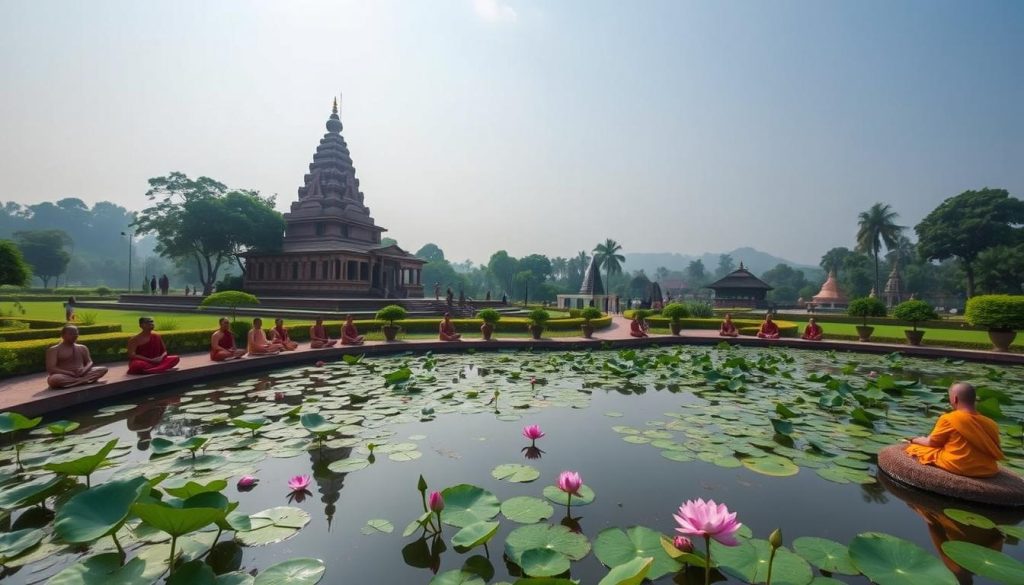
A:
(962, 394)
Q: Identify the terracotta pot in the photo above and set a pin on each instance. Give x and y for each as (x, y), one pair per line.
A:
(588, 330)
(913, 337)
(487, 330)
(536, 330)
(1001, 338)
(864, 332)
(391, 332)
(675, 327)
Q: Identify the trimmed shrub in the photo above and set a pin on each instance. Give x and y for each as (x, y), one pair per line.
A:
(675, 311)
(102, 291)
(590, 313)
(26, 334)
(538, 317)
(1000, 312)
(87, 318)
(914, 312)
(231, 299)
(38, 323)
(392, 313)
(489, 316)
(865, 307)
(699, 309)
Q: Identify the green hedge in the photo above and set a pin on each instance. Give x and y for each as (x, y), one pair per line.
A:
(744, 326)
(25, 334)
(36, 323)
(996, 311)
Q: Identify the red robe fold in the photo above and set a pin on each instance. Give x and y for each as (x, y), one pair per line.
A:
(154, 347)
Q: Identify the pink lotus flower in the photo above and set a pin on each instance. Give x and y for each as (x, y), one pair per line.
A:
(246, 483)
(436, 502)
(278, 396)
(298, 483)
(532, 432)
(708, 519)
(533, 381)
(683, 544)
(570, 482)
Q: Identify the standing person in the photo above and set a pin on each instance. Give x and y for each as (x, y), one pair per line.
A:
(504, 298)
(146, 351)
(349, 333)
(449, 297)
(462, 297)
(318, 335)
(145, 283)
(437, 291)
(222, 343)
(488, 295)
(69, 364)
(165, 284)
(69, 310)
(258, 344)
(186, 290)
(152, 285)
(279, 334)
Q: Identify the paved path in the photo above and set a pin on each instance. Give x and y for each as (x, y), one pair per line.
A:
(29, 395)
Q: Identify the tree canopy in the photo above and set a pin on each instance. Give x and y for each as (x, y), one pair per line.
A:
(875, 227)
(13, 268)
(44, 251)
(608, 257)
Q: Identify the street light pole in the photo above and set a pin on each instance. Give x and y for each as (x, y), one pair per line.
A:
(131, 237)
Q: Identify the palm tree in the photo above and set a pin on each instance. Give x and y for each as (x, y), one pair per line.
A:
(877, 226)
(608, 257)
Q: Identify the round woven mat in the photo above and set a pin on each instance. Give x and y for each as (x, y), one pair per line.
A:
(1002, 489)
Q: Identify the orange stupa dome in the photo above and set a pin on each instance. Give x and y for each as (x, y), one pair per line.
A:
(829, 293)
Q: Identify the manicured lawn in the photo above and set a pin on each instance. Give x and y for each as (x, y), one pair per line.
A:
(965, 335)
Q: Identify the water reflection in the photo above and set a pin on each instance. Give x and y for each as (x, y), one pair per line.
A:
(532, 452)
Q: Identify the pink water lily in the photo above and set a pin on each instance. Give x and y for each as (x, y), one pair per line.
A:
(436, 502)
(708, 519)
(532, 432)
(247, 482)
(570, 482)
(683, 544)
(298, 483)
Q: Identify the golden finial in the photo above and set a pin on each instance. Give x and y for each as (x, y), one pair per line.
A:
(334, 109)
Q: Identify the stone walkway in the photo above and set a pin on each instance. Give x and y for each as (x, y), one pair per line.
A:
(29, 395)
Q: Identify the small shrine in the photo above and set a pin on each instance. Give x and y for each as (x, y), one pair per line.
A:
(893, 287)
(830, 297)
(592, 293)
(740, 289)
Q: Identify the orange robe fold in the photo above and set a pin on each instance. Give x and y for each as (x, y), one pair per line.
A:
(969, 445)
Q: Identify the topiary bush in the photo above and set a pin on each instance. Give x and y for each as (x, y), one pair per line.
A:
(231, 299)
(865, 307)
(999, 312)
(489, 316)
(391, 313)
(675, 311)
(538, 317)
(914, 312)
(590, 313)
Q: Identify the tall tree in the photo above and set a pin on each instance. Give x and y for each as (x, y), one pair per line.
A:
(696, 274)
(875, 227)
(661, 274)
(1000, 270)
(13, 268)
(44, 251)
(964, 226)
(608, 257)
(430, 253)
(503, 268)
(725, 265)
(834, 259)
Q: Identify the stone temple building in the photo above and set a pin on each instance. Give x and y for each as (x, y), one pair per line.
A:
(331, 246)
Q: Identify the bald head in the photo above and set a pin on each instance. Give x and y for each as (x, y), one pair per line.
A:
(962, 395)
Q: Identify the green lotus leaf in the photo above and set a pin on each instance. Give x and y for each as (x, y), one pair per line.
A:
(192, 488)
(480, 566)
(693, 559)
(418, 523)
(673, 455)
(317, 424)
(104, 569)
(398, 376)
(826, 581)
(475, 534)
(30, 492)
(1012, 531)
(526, 509)
(236, 578)
(83, 465)
(543, 581)
(555, 537)
(886, 559)
(176, 521)
(251, 422)
(457, 577)
(985, 562)
(827, 555)
(613, 547)
(557, 496)
(194, 572)
(348, 465)
(99, 511)
(969, 518)
(301, 571)
(749, 562)
(543, 562)
(782, 426)
(771, 465)
(784, 411)
(377, 526)
(273, 525)
(515, 472)
(352, 359)
(840, 474)
(12, 421)
(405, 455)
(630, 573)
(467, 504)
(62, 427)
(14, 543)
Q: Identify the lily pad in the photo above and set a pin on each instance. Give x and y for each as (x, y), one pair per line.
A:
(14, 543)
(378, 526)
(985, 562)
(749, 562)
(98, 511)
(772, 465)
(543, 562)
(969, 518)
(586, 496)
(526, 509)
(102, 570)
(302, 571)
(827, 555)
(515, 472)
(457, 577)
(273, 525)
(555, 537)
(614, 547)
(475, 534)
(889, 560)
(348, 465)
(467, 504)
(630, 573)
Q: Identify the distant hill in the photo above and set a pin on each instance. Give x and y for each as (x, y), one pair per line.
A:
(754, 260)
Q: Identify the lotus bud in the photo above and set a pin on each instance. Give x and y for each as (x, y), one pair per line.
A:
(246, 483)
(683, 544)
(775, 539)
(421, 485)
(436, 502)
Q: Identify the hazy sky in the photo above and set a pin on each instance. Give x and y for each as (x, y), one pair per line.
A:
(530, 125)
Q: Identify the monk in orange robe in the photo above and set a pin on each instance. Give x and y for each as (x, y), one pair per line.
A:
(638, 327)
(728, 328)
(813, 331)
(446, 330)
(279, 334)
(258, 343)
(349, 333)
(318, 335)
(963, 442)
(768, 330)
(222, 343)
(146, 351)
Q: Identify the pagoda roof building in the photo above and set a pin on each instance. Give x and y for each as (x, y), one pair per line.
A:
(740, 288)
(830, 295)
(592, 284)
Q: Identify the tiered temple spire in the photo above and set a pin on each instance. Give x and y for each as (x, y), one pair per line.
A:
(894, 287)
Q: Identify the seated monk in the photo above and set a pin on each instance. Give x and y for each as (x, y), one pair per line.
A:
(222, 343)
(69, 364)
(318, 335)
(146, 351)
(258, 344)
(813, 331)
(349, 333)
(728, 328)
(768, 330)
(446, 330)
(279, 334)
(963, 442)
(638, 327)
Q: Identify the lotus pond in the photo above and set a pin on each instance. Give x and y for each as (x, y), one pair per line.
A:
(785, 439)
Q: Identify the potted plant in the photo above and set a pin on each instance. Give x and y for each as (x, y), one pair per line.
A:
(865, 307)
(587, 314)
(391, 313)
(675, 312)
(913, 312)
(490, 317)
(537, 319)
(1003, 315)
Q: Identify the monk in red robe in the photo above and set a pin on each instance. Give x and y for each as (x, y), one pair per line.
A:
(146, 351)
(768, 330)
(349, 333)
(813, 331)
(222, 343)
(446, 330)
(964, 441)
(318, 335)
(279, 334)
(638, 327)
(728, 328)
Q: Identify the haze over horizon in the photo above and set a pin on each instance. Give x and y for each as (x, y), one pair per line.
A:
(529, 126)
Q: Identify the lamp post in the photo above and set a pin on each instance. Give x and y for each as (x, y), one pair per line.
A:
(131, 236)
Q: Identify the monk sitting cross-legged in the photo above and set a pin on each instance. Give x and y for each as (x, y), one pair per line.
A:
(349, 333)
(318, 335)
(222, 343)
(69, 363)
(728, 328)
(638, 327)
(446, 331)
(963, 442)
(258, 342)
(146, 351)
(279, 334)
(813, 331)
(768, 330)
